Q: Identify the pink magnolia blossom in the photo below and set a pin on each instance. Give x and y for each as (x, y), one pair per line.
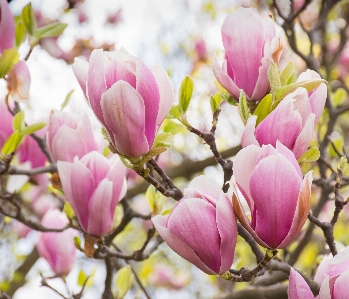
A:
(332, 274)
(18, 82)
(69, 135)
(6, 128)
(57, 248)
(272, 183)
(250, 44)
(93, 186)
(292, 122)
(7, 27)
(201, 227)
(165, 276)
(128, 98)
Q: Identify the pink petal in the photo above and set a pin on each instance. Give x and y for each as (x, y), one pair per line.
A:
(224, 79)
(339, 263)
(248, 137)
(283, 124)
(149, 91)
(80, 69)
(124, 114)
(7, 27)
(177, 245)
(340, 290)
(119, 65)
(298, 287)
(243, 167)
(101, 211)
(304, 138)
(227, 228)
(244, 51)
(83, 186)
(245, 222)
(96, 83)
(302, 210)
(286, 152)
(186, 222)
(325, 292)
(318, 100)
(166, 92)
(274, 197)
(64, 170)
(117, 175)
(301, 103)
(18, 82)
(97, 164)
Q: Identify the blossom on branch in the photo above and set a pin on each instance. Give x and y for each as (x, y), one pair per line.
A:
(201, 227)
(272, 183)
(128, 98)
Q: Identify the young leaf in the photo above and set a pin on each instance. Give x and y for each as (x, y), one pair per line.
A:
(123, 281)
(82, 278)
(174, 112)
(33, 128)
(339, 97)
(170, 126)
(28, 18)
(68, 210)
(18, 122)
(309, 85)
(67, 98)
(50, 30)
(287, 73)
(8, 59)
(185, 93)
(19, 32)
(274, 78)
(150, 195)
(243, 107)
(163, 139)
(311, 155)
(215, 101)
(11, 143)
(264, 108)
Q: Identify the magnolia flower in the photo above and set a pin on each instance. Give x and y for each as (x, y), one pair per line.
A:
(7, 27)
(250, 44)
(18, 82)
(69, 135)
(292, 122)
(272, 183)
(201, 227)
(58, 249)
(128, 98)
(93, 186)
(6, 128)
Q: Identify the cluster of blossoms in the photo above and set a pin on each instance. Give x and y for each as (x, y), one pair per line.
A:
(131, 101)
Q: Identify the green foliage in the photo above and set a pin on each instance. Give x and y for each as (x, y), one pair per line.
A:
(155, 200)
(28, 18)
(123, 281)
(243, 107)
(274, 78)
(264, 108)
(225, 96)
(82, 277)
(50, 30)
(163, 139)
(338, 143)
(8, 59)
(185, 93)
(339, 97)
(215, 101)
(311, 155)
(68, 210)
(67, 99)
(19, 32)
(287, 73)
(11, 143)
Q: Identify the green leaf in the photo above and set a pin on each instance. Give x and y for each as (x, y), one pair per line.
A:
(77, 243)
(18, 122)
(67, 98)
(215, 101)
(33, 128)
(163, 139)
(82, 278)
(172, 127)
(8, 59)
(12, 143)
(225, 94)
(50, 30)
(287, 73)
(274, 78)
(185, 93)
(339, 97)
(150, 195)
(243, 107)
(311, 155)
(175, 112)
(338, 143)
(123, 281)
(264, 108)
(19, 32)
(68, 210)
(309, 85)
(28, 18)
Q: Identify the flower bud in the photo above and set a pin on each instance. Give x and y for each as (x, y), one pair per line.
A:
(7, 27)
